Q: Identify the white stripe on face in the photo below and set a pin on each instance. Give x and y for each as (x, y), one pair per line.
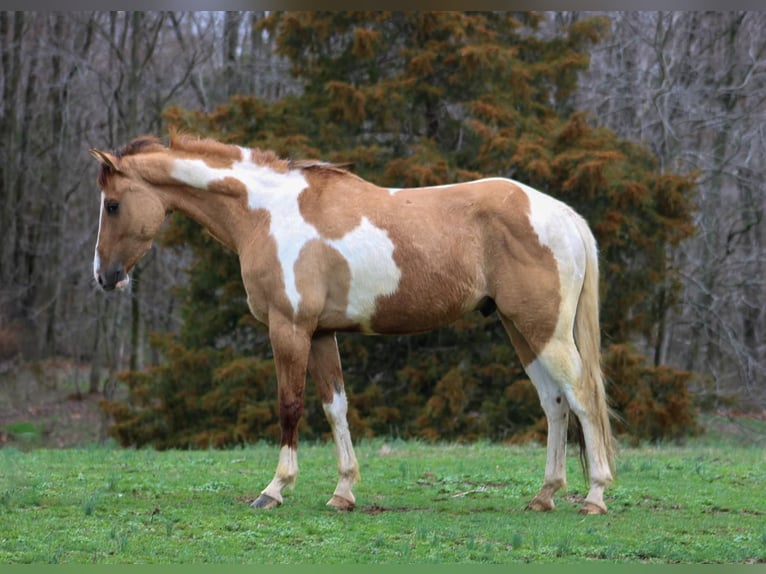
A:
(96, 258)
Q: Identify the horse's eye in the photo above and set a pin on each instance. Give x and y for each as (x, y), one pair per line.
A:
(112, 207)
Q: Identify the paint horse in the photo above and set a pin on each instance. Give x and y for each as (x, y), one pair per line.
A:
(322, 250)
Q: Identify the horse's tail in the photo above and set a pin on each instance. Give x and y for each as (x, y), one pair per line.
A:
(587, 335)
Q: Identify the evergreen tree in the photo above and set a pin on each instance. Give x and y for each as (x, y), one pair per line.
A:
(422, 98)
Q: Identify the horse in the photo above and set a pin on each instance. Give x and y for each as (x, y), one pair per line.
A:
(322, 250)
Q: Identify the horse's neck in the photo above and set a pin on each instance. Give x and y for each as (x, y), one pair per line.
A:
(228, 201)
(218, 212)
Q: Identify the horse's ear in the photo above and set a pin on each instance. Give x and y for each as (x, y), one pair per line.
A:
(105, 158)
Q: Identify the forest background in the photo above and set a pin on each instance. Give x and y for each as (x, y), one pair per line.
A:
(649, 123)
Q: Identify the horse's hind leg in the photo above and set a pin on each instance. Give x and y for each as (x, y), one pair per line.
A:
(557, 373)
(325, 370)
(556, 410)
(561, 363)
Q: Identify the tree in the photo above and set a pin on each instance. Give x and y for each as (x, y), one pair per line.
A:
(691, 84)
(429, 98)
(40, 60)
(72, 80)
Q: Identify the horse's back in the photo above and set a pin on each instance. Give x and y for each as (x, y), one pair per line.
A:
(457, 246)
(414, 259)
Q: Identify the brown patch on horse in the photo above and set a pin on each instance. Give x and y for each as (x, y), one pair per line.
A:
(523, 350)
(218, 154)
(429, 295)
(336, 200)
(421, 225)
(229, 186)
(525, 281)
(290, 412)
(328, 301)
(324, 366)
(261, 272)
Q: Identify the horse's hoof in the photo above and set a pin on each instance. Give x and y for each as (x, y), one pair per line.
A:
(541, 505)
(340, 503)
(592, 508)
(265, 501)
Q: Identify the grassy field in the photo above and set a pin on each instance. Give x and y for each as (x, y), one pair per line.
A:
(417, 503)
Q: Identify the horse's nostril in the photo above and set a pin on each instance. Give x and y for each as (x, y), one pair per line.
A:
(109, 278)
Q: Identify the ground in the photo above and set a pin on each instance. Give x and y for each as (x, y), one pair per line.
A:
(47, 404)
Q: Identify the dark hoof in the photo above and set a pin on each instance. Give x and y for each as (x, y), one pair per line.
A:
(340, 503)
(265, 501)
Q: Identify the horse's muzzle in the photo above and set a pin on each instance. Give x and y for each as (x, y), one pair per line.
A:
(114, 278)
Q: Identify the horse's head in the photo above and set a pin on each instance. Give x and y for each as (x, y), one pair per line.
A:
(132, 213)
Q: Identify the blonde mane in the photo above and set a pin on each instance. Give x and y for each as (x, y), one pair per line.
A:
(206, 147)
(211, 149)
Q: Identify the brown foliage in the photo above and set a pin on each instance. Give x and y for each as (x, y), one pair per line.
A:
(654, 402)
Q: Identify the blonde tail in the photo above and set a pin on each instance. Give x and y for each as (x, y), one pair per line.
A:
(587, 335)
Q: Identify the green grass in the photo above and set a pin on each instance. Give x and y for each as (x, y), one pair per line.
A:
(416, 504)
(24, 432)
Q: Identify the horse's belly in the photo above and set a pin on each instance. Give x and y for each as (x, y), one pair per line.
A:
(425, 301)
(412, 321)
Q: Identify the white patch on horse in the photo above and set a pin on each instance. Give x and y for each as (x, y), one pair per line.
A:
(552, 221)
(348, 467)
(336, 414)
(266, 189)
(374, 273)
(287, 470)
(367, 249)
(288, 463)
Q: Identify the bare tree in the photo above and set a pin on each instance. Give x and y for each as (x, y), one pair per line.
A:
(692, 85)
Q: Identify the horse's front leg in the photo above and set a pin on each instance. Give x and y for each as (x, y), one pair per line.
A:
(291, 350)
(324, 367)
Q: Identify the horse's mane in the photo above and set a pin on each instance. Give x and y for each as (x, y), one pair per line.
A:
(139, 145)
(211, 148)
(208, 147)
(205, 147)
